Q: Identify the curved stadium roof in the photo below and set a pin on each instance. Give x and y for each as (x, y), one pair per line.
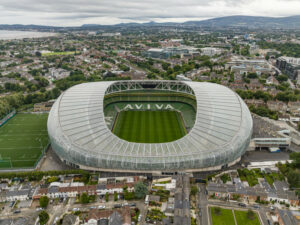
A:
(79, 134)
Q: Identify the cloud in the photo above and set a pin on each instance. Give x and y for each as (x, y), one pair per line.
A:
(77, 12)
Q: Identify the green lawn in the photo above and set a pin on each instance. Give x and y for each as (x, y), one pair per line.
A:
(225, 217)
(22, 140)
(149, 126)
(57, 53)
(242, 219)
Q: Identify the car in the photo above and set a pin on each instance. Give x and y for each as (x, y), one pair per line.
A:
(272, 207)
(17, 211)
(39, 209)
(132, 204)
(242, 204)
(140, 217)
(76, 209)
(200, 213)
(93, 207)
(11, 204)
(101, 207)
(256, 206)
(117, 206)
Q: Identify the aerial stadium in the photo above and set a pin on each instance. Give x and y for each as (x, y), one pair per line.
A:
(150, 126)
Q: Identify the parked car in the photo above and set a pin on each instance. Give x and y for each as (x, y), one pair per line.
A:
(11, 204)
(242, 204)
(256, 206)
(117, 206)
(17, 211)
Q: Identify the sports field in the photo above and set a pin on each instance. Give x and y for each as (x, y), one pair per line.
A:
(57, 53)
(149, 126)
(22, 140)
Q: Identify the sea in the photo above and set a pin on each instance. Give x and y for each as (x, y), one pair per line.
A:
(16, 34)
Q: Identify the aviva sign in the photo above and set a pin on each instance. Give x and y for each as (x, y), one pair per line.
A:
(148, 107)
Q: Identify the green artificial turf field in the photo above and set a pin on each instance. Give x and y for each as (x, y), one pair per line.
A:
(149, 126)
(22, 140)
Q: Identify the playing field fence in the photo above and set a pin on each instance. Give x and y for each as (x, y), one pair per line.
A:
(7, 117)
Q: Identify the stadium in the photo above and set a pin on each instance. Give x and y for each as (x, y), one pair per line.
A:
(149, 126)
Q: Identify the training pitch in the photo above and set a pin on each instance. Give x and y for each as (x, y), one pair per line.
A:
(22, 140)
(149, 126)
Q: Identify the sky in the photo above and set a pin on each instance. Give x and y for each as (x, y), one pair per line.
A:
(107, 12)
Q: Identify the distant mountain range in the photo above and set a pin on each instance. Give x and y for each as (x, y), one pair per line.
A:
(253, 22)
(249, 22)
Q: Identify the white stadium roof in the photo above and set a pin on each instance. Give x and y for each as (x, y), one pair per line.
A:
(80, 136)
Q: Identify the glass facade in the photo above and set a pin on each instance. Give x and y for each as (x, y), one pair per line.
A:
(79, 135)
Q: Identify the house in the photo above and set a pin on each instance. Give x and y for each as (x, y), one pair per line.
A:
(294, 107)
(279, 193)
(285, 217)
(109, 217)
(64, 190)
(255, 102)
(272, 80)
(20, 195)
(102, 189)
(277, 106)
(43, 106)
(154, 198)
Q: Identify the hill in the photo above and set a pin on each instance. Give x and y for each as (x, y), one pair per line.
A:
(253, 22)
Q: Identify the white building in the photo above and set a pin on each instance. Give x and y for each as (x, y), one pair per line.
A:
(211, 51)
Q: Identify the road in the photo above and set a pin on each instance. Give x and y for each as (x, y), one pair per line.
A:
(202, 205)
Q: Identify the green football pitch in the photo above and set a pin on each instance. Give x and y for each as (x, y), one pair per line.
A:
(149, 126)
(22, 140)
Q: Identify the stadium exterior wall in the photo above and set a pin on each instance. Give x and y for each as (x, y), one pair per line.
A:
(80, 137)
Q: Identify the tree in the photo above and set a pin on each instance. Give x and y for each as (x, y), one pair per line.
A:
(295, 156)
(140, 190)
(282, 78)
(52, 179)
(84, 198)
(44, 217)
(217, 210)
(106, 197)
(44, 200)
(250, 214)
(38, 54)
(252, 75)
(294, 178)
(194, 190)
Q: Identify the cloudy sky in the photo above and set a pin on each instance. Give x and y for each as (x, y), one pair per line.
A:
(78, 12)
